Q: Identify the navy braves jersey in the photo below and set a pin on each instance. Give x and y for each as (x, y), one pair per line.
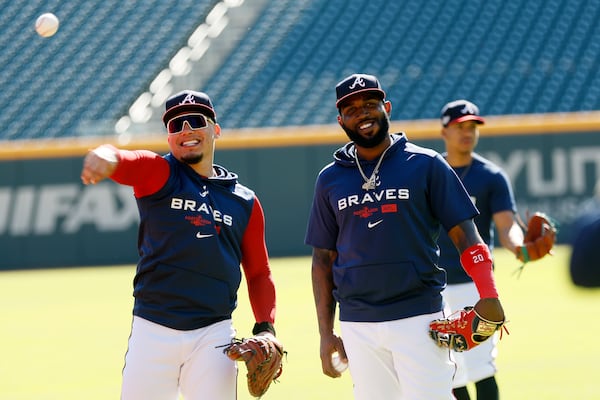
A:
(189, 243)
(491, 192)
(386, 265)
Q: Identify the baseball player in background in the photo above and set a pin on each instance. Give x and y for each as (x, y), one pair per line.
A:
(197, 225)
(373, 226)
(491, 192)
(584, 239)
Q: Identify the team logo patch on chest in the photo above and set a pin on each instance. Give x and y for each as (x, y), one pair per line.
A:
(197, 220)
(366, 212)
(389, 208)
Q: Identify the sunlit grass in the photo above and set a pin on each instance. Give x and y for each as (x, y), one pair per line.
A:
(64, 333)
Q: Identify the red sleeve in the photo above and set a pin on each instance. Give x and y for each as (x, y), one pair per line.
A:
(477, 262)
(255, 262)
(145, 170)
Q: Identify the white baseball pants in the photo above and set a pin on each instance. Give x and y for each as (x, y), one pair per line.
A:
(162, 362)
(397, 360)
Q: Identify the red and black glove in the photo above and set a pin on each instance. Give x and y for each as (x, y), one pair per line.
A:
(463, 330)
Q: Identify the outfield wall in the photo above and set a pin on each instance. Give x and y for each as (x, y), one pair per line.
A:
(49, 219)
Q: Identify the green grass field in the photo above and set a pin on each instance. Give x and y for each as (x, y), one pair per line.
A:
(64, 333)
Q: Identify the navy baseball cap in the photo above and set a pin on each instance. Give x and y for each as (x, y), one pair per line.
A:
(357, 83)
(189, 101)
(460, 110)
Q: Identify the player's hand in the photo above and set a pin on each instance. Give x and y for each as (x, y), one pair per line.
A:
(490, 309)
(329, 345)
(99, 164)
(263, 359)
(271, 337)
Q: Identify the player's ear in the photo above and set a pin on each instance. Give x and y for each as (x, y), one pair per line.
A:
(388, 107)
(217, 131)
(444, 132)
(339, 118)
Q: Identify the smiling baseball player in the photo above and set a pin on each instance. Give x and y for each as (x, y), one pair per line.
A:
(373, 227)
(198, 223)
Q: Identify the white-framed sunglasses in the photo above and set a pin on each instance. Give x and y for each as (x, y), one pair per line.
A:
(195, 120)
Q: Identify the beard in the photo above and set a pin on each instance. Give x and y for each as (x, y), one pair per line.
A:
(373, 141)
(192, 159)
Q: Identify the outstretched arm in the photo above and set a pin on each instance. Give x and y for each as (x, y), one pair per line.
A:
(99, 164)
(510, 233)
(145, 170)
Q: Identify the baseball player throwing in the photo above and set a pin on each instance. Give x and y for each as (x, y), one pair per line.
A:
(197, 224)
(373, 226)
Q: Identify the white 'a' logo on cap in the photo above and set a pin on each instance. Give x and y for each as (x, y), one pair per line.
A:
(189, 98)
(358, 81)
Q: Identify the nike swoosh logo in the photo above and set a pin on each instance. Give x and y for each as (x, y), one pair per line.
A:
(374, 224)
(473, 252)
(201, 236)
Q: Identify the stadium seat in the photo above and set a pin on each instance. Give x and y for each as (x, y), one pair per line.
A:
(516, 57)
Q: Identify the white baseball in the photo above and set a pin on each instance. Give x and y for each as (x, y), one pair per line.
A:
(339, 365)
(46, 25)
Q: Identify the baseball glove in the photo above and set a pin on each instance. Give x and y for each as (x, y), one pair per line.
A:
(539, 239)
(263, 357)
(540, 235)
(463, 330)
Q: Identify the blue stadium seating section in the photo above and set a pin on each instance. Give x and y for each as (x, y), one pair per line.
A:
(93, 69)
(508, 56)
